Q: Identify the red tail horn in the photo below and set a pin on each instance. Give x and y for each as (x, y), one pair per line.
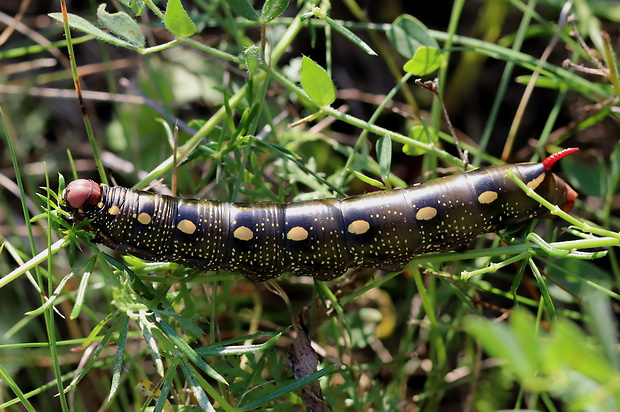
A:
(550, 161)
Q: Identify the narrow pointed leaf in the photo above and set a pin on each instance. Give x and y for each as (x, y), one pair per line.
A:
(243, 8)
(79, 23)
(252, 59)
(384, 154)
(272, 9)
(350, 35)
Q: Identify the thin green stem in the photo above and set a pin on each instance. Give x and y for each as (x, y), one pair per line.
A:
(429, 308)
(397, 137)
(555, 210)
(78, 88)
(34, 262)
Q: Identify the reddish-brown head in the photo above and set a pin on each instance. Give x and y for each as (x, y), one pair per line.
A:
(82, 192)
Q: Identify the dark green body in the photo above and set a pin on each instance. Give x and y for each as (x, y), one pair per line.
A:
(325, 237)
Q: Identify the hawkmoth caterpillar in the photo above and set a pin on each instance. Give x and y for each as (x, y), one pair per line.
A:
(321, 238)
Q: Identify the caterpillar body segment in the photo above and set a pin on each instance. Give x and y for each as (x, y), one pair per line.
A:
(321, 238)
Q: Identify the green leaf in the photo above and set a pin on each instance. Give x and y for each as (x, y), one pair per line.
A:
(243, 8)
(570, 349)
(252, 59)
(421, 134)
(368, 180)
(384, 154)
(272, 9)
(177, 21)
(122, 25)
(508, 342)
(316, 82)
(79, 23)
(425, 61)
(553, 83)
(350, 36)
(136, 5)
(603, 323)
(408, 34)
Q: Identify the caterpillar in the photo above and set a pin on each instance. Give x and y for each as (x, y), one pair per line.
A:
(321, 238)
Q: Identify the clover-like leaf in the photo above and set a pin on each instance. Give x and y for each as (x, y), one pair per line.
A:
(177, 20)
(123, 25)
(422, 134)
(425, 61)
(317, 83)
(408, 34)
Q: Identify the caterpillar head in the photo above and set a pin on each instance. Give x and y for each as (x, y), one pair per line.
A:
(80, 197)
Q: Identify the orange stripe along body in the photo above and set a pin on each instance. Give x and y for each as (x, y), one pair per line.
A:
(321, 238)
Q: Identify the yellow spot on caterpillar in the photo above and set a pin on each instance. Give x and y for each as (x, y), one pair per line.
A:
(297, 234)
(114, 210)
(186, 226)
(359, 227)
(534, 183)
(243, 233)
(426, 213)
(100, 205)
(487, 197)
(144, 218)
